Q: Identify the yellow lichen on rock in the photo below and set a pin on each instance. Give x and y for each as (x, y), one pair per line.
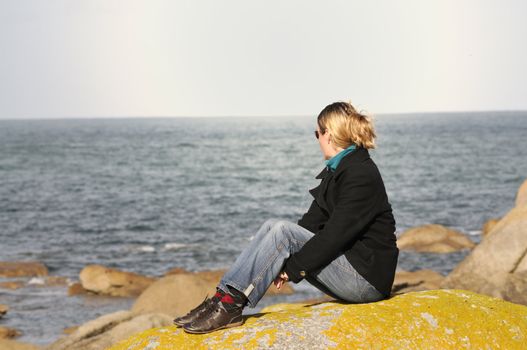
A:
(433, 319)
(436, 319)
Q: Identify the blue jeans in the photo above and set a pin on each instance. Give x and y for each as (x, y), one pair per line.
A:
(263, 259)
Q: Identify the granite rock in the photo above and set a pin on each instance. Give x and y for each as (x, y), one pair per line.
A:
(434, 319)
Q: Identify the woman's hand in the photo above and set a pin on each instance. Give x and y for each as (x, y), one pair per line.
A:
(281, 279)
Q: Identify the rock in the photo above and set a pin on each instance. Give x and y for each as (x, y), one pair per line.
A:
(425, 279)
(488, 226)
(103, 280)
(70, 330)
(22, 269)
(176, 270)
(521, 196)
(109, 329)
(77, 289)
(322, 299)
(6, 344)
(91, 329)
(516, 288)
(434, 239)
(3, 309)
(490, 266)
(174, 295)
(6, 333)
(47, 281)
(434, 319)
(12, 285)
(100, 324)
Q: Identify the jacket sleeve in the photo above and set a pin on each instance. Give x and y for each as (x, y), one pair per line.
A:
(355, 207)
(313, 218)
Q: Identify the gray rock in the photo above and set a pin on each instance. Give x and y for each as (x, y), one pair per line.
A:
(503, 252)
(109, 329)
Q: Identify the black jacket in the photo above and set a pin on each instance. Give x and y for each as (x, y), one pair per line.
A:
(350, 214)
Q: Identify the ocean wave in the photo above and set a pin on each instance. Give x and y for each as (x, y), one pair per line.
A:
(36, 281)
(166, 246)
(174, 246)
(146, 249)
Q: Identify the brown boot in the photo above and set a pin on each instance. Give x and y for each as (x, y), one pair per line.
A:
(200, 309)
(219, 316)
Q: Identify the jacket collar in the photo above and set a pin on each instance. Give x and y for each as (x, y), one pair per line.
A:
(357, 156)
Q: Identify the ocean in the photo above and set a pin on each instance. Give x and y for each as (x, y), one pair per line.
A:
(150, 194)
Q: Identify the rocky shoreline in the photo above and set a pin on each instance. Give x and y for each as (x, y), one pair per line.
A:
(495, 267)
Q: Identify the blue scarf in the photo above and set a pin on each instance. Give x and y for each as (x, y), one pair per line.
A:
(333, 162)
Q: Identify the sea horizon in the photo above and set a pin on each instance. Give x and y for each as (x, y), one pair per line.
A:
(430, 112)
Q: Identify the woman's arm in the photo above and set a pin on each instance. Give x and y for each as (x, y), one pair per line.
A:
(356, 205)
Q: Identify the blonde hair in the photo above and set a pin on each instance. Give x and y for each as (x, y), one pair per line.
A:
(347, 125)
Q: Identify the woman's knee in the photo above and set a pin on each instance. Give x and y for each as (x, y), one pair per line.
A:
(284, 233)
(276, 226)
(267, 227)
(276, 230)
(281, 225)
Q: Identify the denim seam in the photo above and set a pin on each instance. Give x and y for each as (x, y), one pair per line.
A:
(347, 268)
(270, 261)
(258, 278)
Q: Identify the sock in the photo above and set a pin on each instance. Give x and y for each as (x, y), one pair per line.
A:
(233, 299)
(219, 294)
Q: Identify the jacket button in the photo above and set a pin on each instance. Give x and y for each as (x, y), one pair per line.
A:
(302, 273)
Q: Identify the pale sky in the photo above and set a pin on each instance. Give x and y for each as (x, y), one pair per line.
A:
(96, 58)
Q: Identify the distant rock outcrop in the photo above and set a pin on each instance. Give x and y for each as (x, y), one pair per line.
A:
(7, 333)
(435, 319)
(103, 280)
(433, 238)
(3, 310)
(12, 285)
(22, 269)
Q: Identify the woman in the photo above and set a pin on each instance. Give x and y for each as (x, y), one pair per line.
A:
(344, 245)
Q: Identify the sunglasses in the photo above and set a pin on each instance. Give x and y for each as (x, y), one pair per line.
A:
(317, 134)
